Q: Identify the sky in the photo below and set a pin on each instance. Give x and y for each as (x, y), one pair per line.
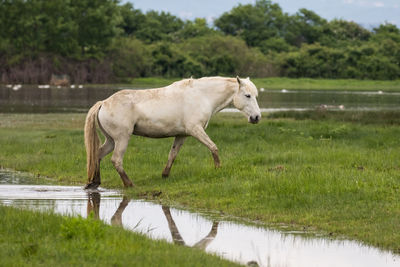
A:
(368, 13)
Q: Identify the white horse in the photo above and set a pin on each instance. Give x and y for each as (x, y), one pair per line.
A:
(181, 109)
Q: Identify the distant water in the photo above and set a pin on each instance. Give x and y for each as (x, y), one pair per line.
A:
(53, 99)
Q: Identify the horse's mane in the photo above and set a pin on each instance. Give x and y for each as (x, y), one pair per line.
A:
(188, 83)
(184, 83)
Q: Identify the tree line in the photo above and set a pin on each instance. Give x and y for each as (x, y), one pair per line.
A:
(98, 41)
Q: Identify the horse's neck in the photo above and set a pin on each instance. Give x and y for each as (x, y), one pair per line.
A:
(224, 92)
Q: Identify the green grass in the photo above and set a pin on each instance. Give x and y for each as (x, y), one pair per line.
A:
(326, 84)
(331, 172)
(30, 238)
(290, 83)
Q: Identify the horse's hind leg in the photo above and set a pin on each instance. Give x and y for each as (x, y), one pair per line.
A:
(176, 146)
(104, 150)
(117, 159)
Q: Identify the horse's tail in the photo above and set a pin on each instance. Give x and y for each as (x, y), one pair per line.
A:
(92, 141)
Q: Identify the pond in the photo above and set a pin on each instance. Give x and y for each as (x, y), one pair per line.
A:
(53, 99)
(247, 244)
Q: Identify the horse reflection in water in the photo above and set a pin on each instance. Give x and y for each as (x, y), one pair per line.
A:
(93, 207)
(176, 236)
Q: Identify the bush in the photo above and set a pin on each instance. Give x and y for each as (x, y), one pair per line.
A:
(130, 57)
(227, 56)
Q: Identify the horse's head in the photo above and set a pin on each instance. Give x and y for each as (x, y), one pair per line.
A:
(245, 100)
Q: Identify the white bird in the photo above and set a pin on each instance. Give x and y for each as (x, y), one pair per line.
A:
(284, 91)
(17, 87)
(262, 89)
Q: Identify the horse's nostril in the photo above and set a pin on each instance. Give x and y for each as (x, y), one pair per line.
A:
(254, 119)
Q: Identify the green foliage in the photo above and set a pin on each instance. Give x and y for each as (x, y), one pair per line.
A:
(365, 62)
(136, 44)
(96, 22)
(69, 28)
(253, 23)
(159, 27)
(170, 61)
(195, 28)
(80, 228)
(225, 55)
(342, 33)
(304, 27)
(275, 44)
(132, 19)
(130, 57)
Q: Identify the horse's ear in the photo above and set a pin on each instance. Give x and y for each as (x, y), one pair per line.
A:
(238, 79)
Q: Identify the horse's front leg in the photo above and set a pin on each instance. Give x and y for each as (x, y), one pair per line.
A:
(176, 146)
(116, 219)
(199, 133)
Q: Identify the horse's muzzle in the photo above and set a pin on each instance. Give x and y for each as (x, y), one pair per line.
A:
(254, 119)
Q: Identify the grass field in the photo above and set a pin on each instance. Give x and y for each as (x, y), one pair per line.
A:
(41, 239)
(333, 172)
(288, 83)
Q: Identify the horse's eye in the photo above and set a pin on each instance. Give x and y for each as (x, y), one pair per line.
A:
(248, 96)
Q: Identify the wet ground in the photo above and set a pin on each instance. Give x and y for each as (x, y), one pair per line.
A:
(245, 244)
(66, 99)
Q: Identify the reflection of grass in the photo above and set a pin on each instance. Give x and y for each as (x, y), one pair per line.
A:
(289, 83)
(39, 239)
(336, 172)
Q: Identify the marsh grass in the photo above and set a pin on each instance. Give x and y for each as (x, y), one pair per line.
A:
(326, 84)
(30, 238)
(329, 173)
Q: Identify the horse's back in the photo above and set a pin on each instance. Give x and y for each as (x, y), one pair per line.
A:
(151, 112)
(162, 112)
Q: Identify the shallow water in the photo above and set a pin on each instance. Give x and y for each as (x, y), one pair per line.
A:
(34, 99)
(233, 241)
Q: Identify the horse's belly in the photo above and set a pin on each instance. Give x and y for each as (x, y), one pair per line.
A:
(157, 129)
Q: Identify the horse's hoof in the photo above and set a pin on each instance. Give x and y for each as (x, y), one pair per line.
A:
(165, 175)
(92, 185)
